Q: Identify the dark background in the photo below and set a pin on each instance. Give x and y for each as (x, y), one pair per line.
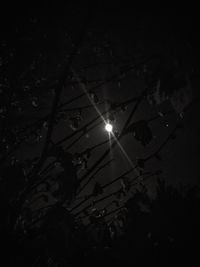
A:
(35, 41)
(32, 29)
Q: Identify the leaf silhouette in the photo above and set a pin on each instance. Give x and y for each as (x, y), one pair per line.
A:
(141, 132)
(97, 190)
(67, 179)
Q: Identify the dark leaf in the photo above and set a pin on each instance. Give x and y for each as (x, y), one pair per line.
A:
(68, 183)
(67, 180)
(74, 123)
(141, 132)
(120, 194)
(97, 190)
(123, 108)
(87, 153)
(126, 184)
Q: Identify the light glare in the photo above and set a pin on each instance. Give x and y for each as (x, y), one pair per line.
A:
(108, 127)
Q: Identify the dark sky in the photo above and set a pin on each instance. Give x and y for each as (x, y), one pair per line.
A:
(34, 30)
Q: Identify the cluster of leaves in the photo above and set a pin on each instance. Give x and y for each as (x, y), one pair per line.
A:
(170, 81)
(40, 195)
(164, 225)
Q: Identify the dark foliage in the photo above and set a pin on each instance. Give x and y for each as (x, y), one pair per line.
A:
(141, 132)
(62, 76)
(160, 231)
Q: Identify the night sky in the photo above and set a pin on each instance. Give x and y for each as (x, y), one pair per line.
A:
(36, 41)
(70, 192)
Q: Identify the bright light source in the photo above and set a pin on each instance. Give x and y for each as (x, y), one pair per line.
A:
(108, 127)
